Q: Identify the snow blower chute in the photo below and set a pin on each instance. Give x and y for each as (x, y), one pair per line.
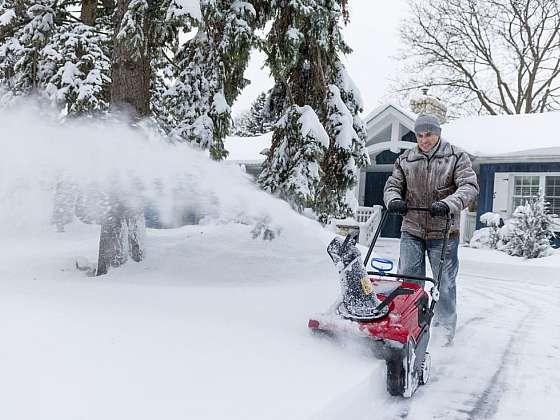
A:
(391, 312)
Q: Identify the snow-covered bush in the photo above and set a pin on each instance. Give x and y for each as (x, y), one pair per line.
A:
(504, 234)
(492, 220)
(481, 239)
(489, 236)
(531, 230)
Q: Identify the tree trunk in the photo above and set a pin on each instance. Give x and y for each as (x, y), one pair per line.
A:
(111, 242)
(136, 226)
(130, 92)
(89, 12)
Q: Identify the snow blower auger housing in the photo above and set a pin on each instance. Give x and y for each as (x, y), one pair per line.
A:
(391, 312)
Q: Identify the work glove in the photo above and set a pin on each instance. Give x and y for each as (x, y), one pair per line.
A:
(439, 208)
(397, 206)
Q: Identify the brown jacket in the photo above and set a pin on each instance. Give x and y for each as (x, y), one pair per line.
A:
(420, 180)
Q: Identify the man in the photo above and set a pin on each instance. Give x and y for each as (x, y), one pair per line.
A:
(439, 176)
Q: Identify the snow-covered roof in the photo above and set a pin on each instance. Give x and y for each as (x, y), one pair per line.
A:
(381, 108)
(510, 137)
(247, 149)
(506, 135)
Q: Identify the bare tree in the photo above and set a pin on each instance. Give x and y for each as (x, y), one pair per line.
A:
(485, 56)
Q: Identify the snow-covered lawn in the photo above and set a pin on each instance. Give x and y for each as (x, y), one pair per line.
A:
(213, 326)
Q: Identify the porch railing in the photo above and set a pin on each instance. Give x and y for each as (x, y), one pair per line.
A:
(368, 218)
(468, 226)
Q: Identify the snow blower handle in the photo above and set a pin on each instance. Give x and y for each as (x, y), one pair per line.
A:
(425, 209)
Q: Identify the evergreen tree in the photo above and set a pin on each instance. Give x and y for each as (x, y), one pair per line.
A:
(143, 29)
(303, 49)
(240, 123)
(531, 230)
(259, 120)
(80, 58)
(347, 151)
(209, 74)
(303, 139)
(44, 51)
(26, 29)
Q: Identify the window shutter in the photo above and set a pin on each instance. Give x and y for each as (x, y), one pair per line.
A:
(501, 193)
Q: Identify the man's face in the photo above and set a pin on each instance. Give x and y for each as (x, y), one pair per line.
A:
(426, 140)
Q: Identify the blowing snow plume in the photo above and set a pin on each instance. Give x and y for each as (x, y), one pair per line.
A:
(51, 171)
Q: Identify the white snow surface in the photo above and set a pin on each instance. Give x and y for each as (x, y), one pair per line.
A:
(213, 324)
(310, 125)
(220, 104)
(343, 120)
(7, 17)
(490, 219)
(505, 134)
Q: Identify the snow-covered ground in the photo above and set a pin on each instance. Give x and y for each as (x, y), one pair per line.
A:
(212, 325)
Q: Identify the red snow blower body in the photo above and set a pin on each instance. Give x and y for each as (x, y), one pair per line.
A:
(398, 328)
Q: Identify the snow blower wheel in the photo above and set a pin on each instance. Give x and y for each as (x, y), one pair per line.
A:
(426, 367)
(395, 376)
(403, 372)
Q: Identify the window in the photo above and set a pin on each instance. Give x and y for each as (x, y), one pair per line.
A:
(528, 186)
(524, 188)
(552, 193)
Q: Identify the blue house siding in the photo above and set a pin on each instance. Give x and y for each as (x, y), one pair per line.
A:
(387, 157)
(486, 180)
(375, 182)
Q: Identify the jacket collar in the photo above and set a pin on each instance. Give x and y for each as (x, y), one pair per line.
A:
(442, 150)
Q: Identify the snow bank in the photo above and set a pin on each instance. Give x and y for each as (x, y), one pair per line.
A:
(111, 156)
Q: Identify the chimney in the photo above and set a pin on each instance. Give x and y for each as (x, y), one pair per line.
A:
(426, 104)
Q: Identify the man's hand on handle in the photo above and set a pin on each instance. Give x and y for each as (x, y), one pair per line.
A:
(439, 208)
(397, 206)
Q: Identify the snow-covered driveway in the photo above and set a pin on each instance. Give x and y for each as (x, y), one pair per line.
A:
(505, 361)
(213, 326)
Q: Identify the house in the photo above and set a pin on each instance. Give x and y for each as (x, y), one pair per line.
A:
(514, 157)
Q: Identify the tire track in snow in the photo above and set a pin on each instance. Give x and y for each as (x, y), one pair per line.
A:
(486, 405)
(497, 307)
(485, 402)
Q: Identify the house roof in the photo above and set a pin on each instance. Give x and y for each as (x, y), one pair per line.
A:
(507, 136)
(496, 137)
(409, 116)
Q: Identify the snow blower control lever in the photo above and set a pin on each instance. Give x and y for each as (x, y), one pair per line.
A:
(382, 272)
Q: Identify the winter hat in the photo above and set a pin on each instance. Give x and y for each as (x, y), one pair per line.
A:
(427, 122)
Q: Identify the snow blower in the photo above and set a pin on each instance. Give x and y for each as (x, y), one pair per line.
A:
(391, 312)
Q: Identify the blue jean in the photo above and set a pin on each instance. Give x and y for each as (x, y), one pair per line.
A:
(413, 261)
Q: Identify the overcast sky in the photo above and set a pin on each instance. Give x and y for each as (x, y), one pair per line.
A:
(373, 34)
